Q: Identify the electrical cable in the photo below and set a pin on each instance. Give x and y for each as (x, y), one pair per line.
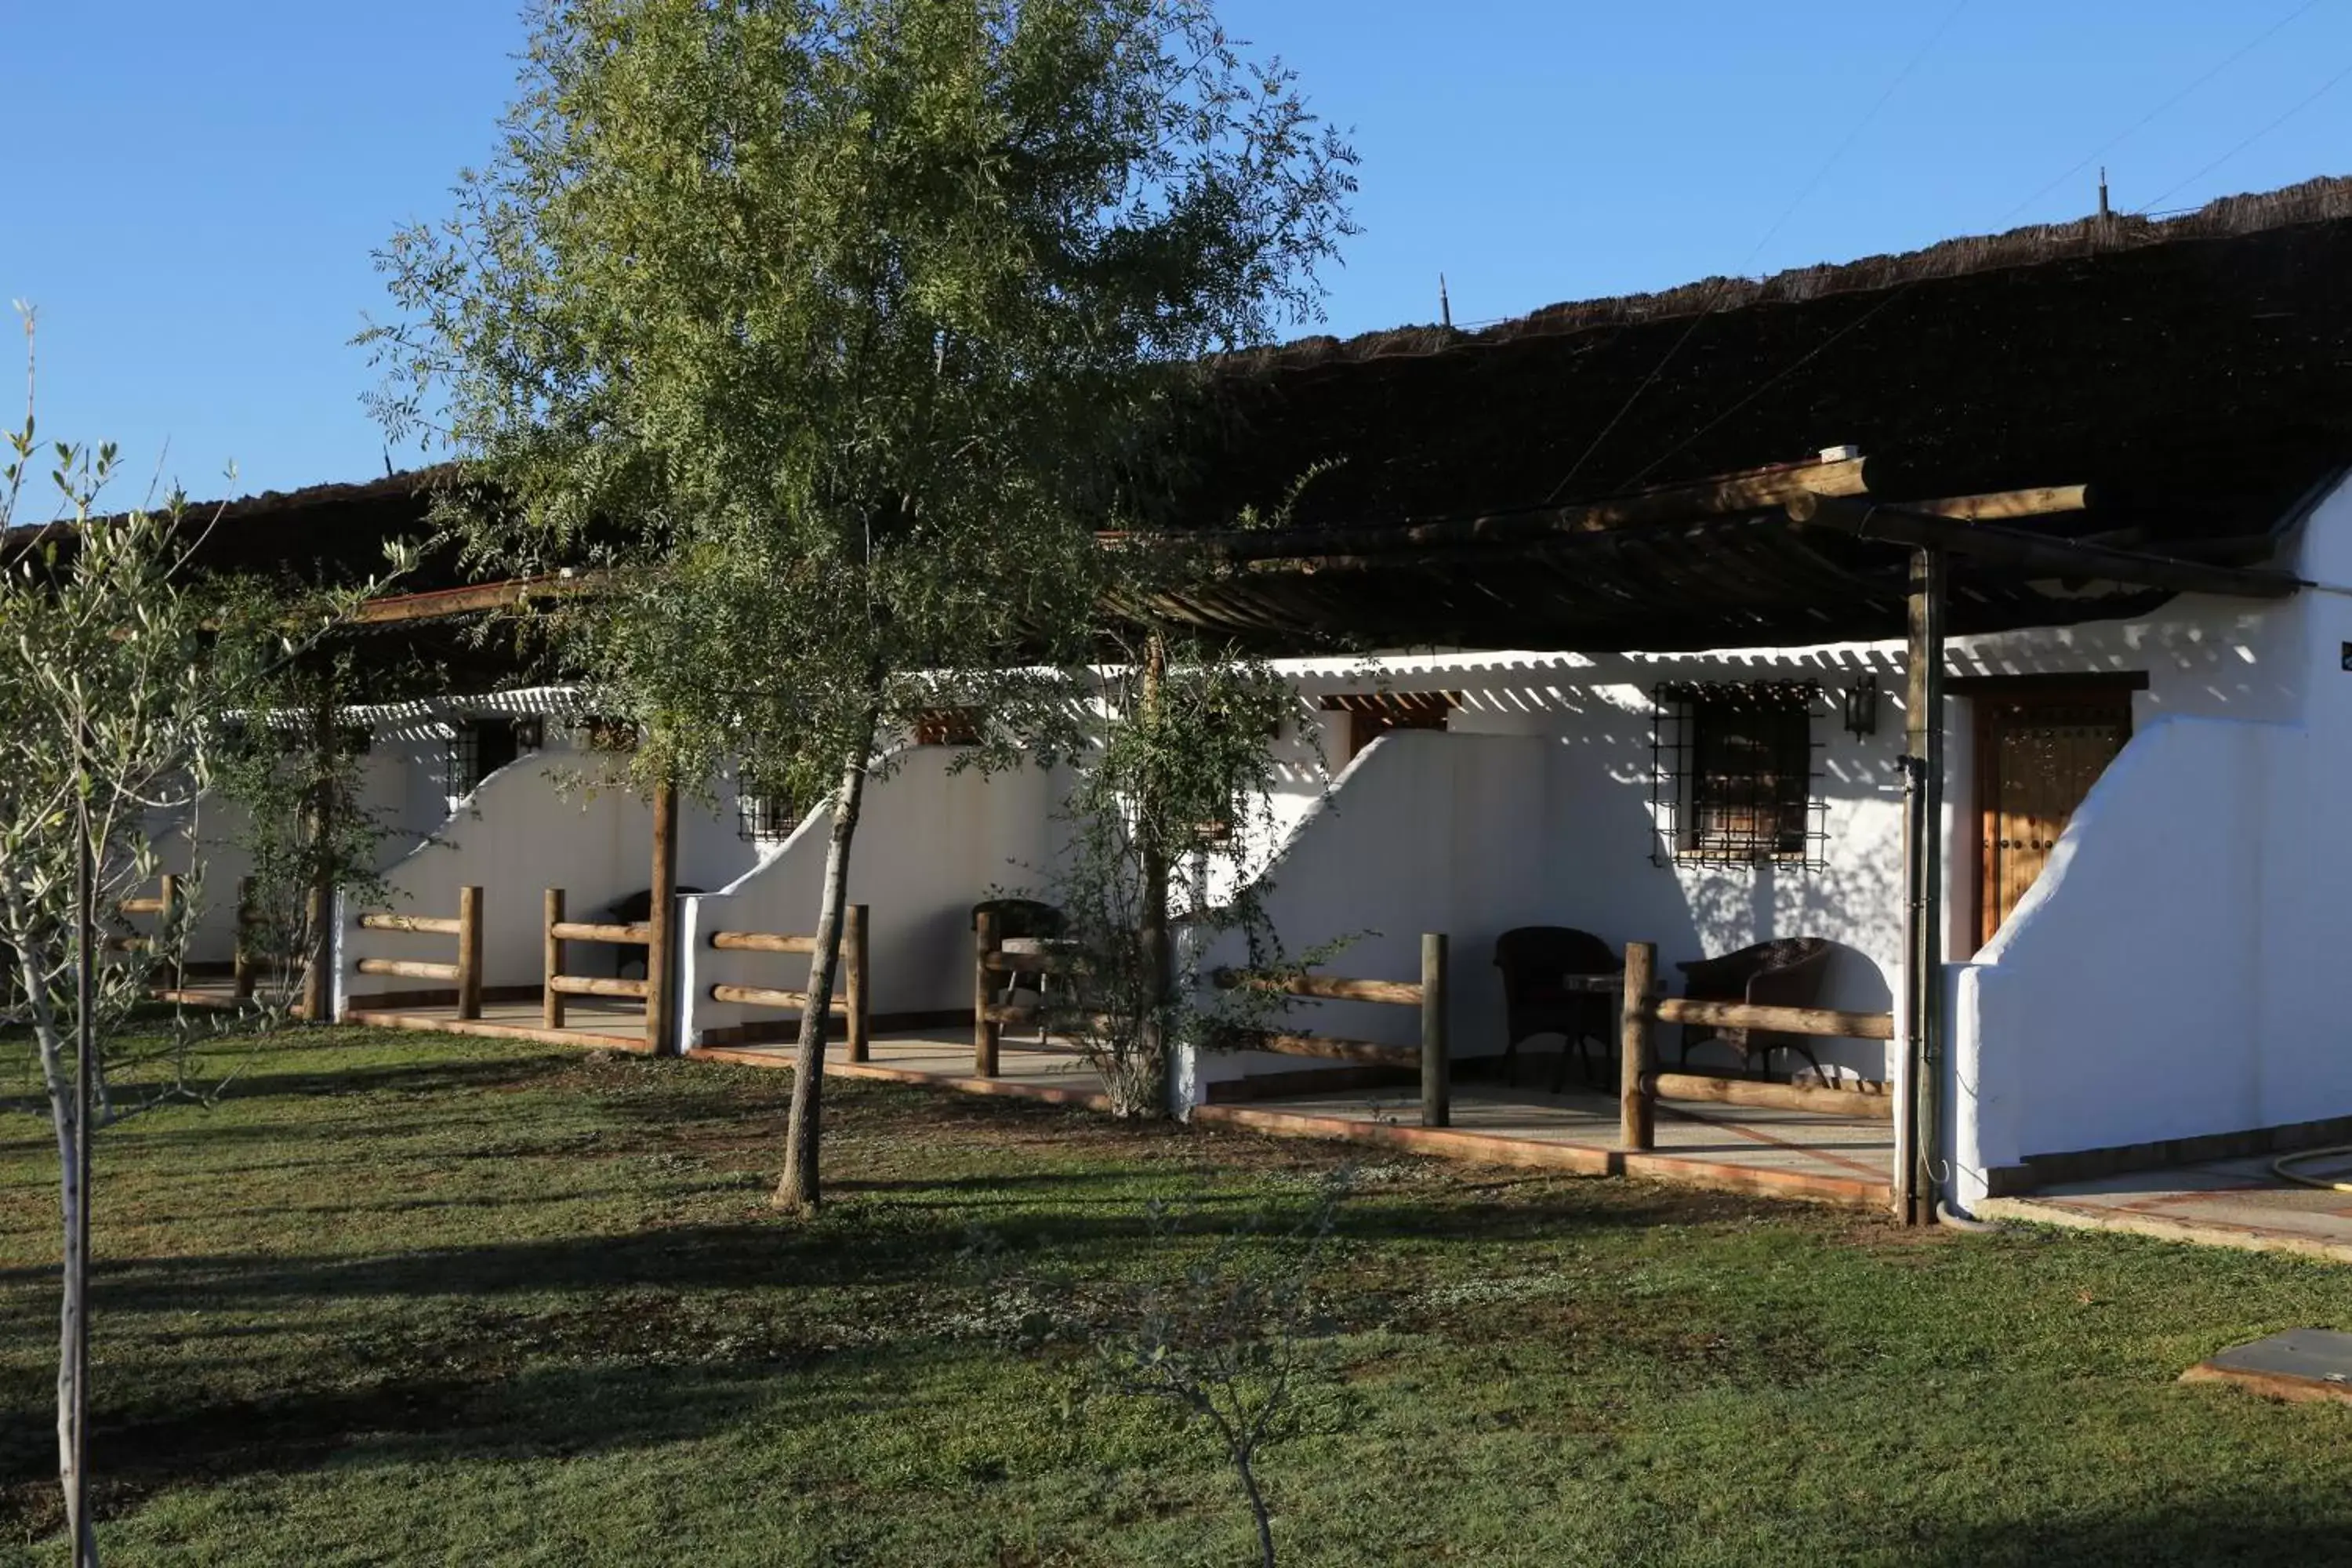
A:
(1757, 247)
(2305, 102)
(2142, 123)
(1902, 288)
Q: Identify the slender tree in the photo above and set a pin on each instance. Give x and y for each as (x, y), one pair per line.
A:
(120, 674)
(831, 330)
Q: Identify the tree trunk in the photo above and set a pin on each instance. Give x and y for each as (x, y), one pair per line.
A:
(1159, 951)
(69, 1103)
(318, 897)
(73, 1314)
(798, 1189)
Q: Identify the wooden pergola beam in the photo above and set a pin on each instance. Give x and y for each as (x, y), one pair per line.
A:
(2035, 552)
(1715, 497)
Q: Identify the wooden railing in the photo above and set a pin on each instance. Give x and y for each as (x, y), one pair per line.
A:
(1432, 1055)
(851, 1000)
(991, 963)
(555, 986)
(466, 973)
(165, 900)
(1641, 1085)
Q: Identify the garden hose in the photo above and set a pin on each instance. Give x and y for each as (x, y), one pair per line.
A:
(2281, 1167)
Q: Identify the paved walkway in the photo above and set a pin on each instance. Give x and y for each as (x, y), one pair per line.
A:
(2226, 1202)
(1783, 1153)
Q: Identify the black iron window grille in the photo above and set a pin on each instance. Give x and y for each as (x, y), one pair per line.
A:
(1735, 771)
(480, 747)
(762, 816)
(948, 727)
(603, 733)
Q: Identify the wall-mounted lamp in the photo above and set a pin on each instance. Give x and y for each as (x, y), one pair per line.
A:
(1861, 706)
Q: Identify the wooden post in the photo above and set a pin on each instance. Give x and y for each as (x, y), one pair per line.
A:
(661, 952)
(469, 953)
(984, 1032)
(241, 962)
(1636, 1052)
(1436, 1089)
(170, 901)
(1922, 867)
(318, 979)
(550, 1000)
(855, 996)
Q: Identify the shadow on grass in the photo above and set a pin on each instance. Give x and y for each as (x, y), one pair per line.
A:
(2232, 1527)
(857, 1244)
(557, 1412)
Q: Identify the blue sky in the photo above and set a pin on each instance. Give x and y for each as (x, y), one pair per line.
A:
(195, 190)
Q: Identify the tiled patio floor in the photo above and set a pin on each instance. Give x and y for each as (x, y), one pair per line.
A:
(1785, 1154)
(2227, 1202)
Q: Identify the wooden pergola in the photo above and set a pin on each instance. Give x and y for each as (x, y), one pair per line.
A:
(1786, 556)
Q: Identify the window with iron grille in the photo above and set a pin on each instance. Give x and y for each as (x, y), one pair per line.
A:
(764, 817)
(480, 747)
(608, 734)
(948, 727)
(1734, 779)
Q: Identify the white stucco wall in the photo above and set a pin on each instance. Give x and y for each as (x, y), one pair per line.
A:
(1422, 832)
(931, 842)
(2172, 974)
(535, 824)
(2159, 981)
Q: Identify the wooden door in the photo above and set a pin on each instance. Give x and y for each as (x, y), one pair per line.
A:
(2038, 754)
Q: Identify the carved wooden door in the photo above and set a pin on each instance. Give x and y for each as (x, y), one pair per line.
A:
(2037, 757)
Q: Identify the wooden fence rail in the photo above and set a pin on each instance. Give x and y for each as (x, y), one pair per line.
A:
(1432, 1055)
(1641, 1085)
(555, 985)
(852, 1001)
(466, 973)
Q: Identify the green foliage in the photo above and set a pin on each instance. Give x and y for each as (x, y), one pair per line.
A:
(834, 329)
(1226, 1338)
(300, 816)
(433, 1299)
(104, 708)
(1170, 811)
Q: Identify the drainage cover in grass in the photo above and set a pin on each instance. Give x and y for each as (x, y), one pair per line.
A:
(2301, 1364)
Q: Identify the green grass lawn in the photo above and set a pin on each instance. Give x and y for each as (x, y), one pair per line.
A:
(426, 1299)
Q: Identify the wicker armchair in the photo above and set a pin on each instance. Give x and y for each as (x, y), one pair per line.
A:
(1533, 960)
(630, 910)
(1022, 925)
(1784, 974)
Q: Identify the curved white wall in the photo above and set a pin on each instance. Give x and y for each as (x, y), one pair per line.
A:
(520, 832)
(1424, 831)
(2168, 975)
(931, 842)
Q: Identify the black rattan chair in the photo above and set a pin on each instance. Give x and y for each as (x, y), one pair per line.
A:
(1534, 960)
(1784, 974)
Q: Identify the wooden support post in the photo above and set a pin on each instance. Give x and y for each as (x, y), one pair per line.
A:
(1636, 1052)
(241, 961)
(170, 901)
(319, 971)
(985, 1029)
(1923, 868)
(1436, 1088)
(469, 953)
(661, 949)
(550, 1000)
(857, 996)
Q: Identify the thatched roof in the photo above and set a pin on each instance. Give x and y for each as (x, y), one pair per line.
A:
(2182, 364)
(2197, 372)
